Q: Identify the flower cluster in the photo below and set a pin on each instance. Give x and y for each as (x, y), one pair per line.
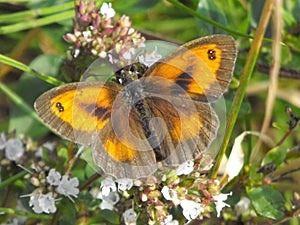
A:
(187, 188)
(13, 147)
(53, 185)
(42, 199)
(19, 150)
(109, 191)
(97, 33)
(50, 184)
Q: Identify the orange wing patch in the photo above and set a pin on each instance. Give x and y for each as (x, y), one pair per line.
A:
(77, 110)
(187, 70)
(118, 151)
(187, 129)
(212, 56)
(203, 67)
(75, 107)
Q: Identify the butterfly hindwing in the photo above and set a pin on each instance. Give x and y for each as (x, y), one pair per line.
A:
(185, 129)
(117, 147)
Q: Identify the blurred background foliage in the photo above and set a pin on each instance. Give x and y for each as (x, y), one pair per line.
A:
(31, 32)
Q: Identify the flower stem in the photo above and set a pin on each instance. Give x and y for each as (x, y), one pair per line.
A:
(19, 101)
(25, 214)
(245, 77)
(210, 21)
(14, 63)
(12, 179)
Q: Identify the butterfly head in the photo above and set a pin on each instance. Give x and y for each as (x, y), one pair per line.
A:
(130, 73)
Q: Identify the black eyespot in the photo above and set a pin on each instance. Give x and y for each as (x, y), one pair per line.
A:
(59, 107)
(211, 54)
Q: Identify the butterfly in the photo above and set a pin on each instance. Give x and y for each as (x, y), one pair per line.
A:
(163, 117)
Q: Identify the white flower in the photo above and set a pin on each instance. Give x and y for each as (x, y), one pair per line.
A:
(138, 183)
(2, 141)
(191, 209)
(76, 53)
(47, 145)
(34, 203)
(124, 184)
(150, 58)
(106, 205)
(108, 185)
(109, 201)
(185, 168)
(130, 217)
(169, 221)
(50, 145)
(107, 10)
(127, 55)
(102, 54)
(242, 206)
(53, 177)
(236, 159)
(96, 193)
(68, 187)
(42, 203)
(219, 202)
(87, 34)
(170, 195)
(14, 149)
(47, 203)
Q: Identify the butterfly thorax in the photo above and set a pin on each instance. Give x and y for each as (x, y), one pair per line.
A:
(134, 96)
(130, 73)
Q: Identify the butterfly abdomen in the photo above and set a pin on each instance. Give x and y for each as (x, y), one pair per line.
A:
(148, 131)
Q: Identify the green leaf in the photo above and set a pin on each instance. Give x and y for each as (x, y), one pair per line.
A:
(210, 10)
(88, 157)
(62, 152)
(105, 217)
(133, 7)
(110, 216)
(255, 8)
(275, 155)
(267, 202)
(289, 18)
(38, 4)
(68, 212)
(29, 88)
(294, 8)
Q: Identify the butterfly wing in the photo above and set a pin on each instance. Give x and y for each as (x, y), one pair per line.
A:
(76, 111)
(121, 148)
(180, 130)
(189, 127)
(202, 68)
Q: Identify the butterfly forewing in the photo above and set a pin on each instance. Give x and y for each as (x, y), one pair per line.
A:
(77, 111)
(203, 68)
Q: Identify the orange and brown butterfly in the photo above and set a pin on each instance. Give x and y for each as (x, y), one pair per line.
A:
(162, 118)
